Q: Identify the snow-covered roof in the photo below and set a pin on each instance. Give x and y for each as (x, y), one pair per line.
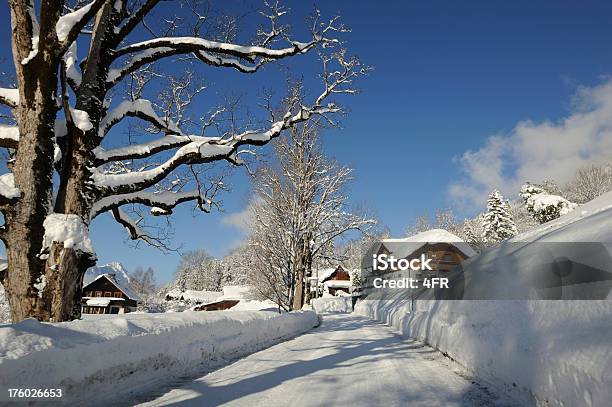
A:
(200, 296)
(99, 301)
(322, 274)
(235, 292)
(120, 285)
(197, 296)
(325, 273)
(399, 248)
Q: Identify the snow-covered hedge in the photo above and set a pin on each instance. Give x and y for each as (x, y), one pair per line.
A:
(332, 305)
(108, 357)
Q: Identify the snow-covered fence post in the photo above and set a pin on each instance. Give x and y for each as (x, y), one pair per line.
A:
(44, 274)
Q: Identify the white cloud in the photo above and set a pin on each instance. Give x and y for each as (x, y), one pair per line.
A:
(238, 220)
(539, 151)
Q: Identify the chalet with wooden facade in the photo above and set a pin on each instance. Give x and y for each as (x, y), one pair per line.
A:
(333, 281)
(105, 295)
(445, 249)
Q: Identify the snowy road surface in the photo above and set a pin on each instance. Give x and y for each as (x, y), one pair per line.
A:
(347, 360)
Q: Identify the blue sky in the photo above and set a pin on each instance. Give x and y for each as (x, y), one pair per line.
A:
(447, 76)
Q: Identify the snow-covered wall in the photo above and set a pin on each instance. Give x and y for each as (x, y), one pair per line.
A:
(552, 353)
(110, 356)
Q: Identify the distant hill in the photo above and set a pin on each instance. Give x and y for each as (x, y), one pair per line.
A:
(116, 268)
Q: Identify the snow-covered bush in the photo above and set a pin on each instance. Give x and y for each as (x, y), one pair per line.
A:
(498, 224)
(543, 205)
(547, 207)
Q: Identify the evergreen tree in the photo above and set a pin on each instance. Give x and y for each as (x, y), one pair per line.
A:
(498, 224)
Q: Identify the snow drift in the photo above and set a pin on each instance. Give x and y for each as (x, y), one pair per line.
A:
(134, 351)
(332, 305)
(544, 352)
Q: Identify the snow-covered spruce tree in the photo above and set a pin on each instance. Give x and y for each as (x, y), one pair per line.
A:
(300, 209)
(62, 172)
(498, 224)
(473, 232)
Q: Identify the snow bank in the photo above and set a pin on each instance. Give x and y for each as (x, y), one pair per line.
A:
(332, 305)
(554, 353)
(144, 351)
(548, 352)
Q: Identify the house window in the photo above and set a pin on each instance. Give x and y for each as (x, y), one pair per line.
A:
(108, 294)
(117, 294)
(98, 294)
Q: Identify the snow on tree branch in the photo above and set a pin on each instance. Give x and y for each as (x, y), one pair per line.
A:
(143, 150)
(9, 136)
(135, 231)
(71, 66)
(135, 18)
(35, 32)
(162, 203)
(9, 97)
(202, 150)
(220, 54)
(193, 44)
(8, 191)
(69, 25)
(140, 108)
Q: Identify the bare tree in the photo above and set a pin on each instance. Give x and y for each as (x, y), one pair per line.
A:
(590, 182)
(420, 224)
(46, 224)
(300, 211)
(198, 270)
(143, 281)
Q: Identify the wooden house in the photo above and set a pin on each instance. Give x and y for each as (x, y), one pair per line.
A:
(333, 280)
(105, 295)
(445, 250)
(219, 305)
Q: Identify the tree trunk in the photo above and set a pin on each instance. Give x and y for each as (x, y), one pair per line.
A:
(302, 263)
(43, 283)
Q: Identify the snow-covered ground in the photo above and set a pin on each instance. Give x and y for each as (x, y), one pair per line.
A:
(347, 361)
(553, 353)
(107, 359)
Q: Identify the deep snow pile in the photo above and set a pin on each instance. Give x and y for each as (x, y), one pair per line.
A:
(332, 305)
(133, 351)
(550, 352)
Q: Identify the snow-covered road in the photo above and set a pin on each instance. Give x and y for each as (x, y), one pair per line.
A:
(347, 360)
